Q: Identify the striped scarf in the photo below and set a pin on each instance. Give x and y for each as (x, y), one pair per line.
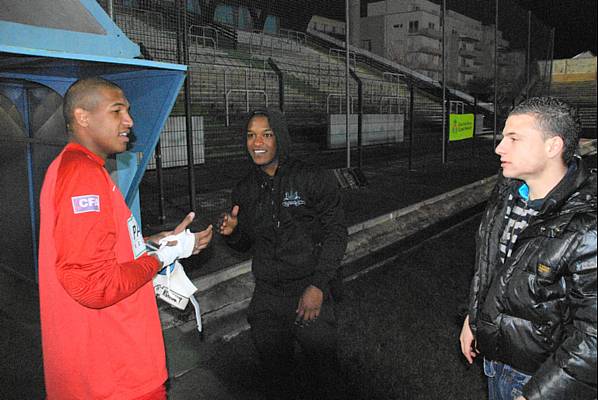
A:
(519, 212)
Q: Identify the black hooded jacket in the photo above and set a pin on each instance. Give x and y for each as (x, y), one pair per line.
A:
(293, 221)
(537, 311)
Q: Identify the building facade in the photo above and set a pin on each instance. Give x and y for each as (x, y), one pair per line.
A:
(410, 33)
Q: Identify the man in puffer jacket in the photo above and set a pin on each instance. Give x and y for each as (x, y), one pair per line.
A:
(532, 306)
(290, 214)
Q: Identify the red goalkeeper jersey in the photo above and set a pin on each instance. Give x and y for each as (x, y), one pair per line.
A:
(101, 334)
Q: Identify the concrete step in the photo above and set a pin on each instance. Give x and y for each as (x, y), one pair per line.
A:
(227, 292)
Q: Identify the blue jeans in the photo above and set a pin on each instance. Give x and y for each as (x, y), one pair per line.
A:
(504, 381)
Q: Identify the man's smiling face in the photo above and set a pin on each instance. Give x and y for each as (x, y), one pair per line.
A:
(261, 144)
(108, 124)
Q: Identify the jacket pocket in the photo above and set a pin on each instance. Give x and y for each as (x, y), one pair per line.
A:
(545, 274)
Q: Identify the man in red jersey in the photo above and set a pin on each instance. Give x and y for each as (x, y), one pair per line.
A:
(101, 333)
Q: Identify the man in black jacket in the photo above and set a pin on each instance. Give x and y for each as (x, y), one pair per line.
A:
(290, 213)
(532, 307)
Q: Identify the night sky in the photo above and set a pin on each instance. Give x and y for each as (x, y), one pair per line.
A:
(574, 20)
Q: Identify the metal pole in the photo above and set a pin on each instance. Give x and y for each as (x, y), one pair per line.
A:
(179, 35)
(528, 56)
(160, 178)
(551, 59)
(360, 122)
(495, 72)
(359, 117)
(280, 77)
(188, 117)
(443, 22)
(247, 91)
(411, 96)
(30, 178)
(111, 9)
(475, 112)
(348, 135)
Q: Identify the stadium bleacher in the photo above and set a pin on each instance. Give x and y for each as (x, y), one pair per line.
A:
(581, 94)
(225, 79)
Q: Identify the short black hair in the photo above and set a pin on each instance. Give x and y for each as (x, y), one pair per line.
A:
(554, 118)
(79, 94)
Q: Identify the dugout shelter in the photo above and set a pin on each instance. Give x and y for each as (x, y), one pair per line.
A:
(44, 47)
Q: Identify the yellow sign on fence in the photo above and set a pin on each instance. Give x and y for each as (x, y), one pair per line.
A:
(461, 127)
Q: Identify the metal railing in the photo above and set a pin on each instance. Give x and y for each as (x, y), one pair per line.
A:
(246, 91)
(229, 74)
(342, 96)
(204, 32)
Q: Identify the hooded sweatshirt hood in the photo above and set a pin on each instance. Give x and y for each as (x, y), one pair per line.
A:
(278, 124)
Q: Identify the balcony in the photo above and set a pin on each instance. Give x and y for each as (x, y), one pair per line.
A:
(468, 53)
(425, 50)
(428, 32)
(468, 69)
(468, 38)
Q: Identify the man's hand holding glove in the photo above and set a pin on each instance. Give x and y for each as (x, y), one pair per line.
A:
(174, 247)
(171, 284)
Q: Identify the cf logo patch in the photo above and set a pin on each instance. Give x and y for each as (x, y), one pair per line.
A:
(86, 203)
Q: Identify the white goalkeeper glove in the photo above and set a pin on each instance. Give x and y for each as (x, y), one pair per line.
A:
(183, 248)
(173, 286)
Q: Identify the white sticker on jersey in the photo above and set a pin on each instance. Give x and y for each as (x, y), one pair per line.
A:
(137, 242)
(86, 203)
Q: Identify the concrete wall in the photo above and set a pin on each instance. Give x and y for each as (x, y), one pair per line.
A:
(376, 129)
(575, 69)
(372, 30)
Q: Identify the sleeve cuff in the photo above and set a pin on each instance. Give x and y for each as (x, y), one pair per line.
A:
(321, 282)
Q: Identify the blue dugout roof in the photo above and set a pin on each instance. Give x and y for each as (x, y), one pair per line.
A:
(54, 43)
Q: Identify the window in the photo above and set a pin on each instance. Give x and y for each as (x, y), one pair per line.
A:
(245, 21)
(398, 26)
(431, 25)
(193, 7)
(413, 26)
(224, 14)
(367, 45)
(271, 24)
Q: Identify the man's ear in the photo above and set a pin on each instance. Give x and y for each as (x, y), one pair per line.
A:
(81, 116)
(555, 146)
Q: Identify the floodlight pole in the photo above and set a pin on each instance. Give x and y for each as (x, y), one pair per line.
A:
(348, 135)
(495, 73)
(443, 19)
(528, 55)
(551, 60)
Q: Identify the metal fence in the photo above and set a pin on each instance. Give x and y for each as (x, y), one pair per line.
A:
(292, 55)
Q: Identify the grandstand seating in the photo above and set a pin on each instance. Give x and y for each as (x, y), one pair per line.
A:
(581, 94)
(224, 80)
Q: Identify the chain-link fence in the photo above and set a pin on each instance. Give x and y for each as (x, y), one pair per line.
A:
(292, 55)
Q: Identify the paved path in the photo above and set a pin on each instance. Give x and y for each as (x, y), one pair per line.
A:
(398, 327)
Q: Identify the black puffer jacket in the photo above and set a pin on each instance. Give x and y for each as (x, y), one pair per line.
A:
(537, 312)
(294, 221)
